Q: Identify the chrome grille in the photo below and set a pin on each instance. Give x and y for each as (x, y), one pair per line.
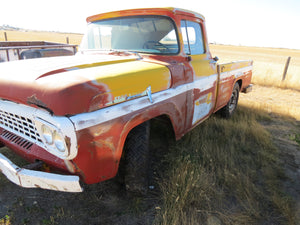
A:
(19, 125)
(16, 139)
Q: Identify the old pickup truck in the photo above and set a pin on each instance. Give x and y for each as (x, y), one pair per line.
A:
(82, 115)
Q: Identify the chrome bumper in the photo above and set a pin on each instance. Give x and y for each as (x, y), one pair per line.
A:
(247, 89)
(36, 179)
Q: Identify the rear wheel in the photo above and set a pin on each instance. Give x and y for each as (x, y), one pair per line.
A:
(228, 110)
(137, 159)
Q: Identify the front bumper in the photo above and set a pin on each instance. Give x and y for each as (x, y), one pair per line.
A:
(37, 179)
(248, 88)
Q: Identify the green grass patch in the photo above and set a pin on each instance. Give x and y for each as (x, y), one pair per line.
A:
(295, 137)
(227, 170)
(5, 220)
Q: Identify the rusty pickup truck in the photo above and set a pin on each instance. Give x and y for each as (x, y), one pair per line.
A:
(81, 115)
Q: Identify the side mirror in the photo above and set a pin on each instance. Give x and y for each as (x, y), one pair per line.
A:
(216, 58)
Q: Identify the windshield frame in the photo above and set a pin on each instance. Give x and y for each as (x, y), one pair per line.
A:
(172, 23)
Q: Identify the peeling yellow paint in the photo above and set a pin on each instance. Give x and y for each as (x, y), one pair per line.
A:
(131, 79)
(200, 64)
(228, 67)
(209, 98)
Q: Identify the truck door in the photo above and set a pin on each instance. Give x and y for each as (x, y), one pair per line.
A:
(204, 74)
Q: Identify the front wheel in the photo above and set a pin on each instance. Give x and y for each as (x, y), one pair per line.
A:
(137, 159)
(228, 110)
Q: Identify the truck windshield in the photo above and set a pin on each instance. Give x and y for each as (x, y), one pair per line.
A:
(146, 34)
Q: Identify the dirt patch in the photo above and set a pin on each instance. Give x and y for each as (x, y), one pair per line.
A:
(103, 203)
(274, 100)
(285, 133)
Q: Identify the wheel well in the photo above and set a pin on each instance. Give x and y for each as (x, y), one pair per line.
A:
(161, 131)
(158, 124)
(240, 82)
(163, 123)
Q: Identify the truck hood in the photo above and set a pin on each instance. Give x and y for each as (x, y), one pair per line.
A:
(83, 83)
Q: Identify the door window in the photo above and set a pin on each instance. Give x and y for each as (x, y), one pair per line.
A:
(192, 38)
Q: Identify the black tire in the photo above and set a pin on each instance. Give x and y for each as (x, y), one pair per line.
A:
(228, 110)
(137, 159)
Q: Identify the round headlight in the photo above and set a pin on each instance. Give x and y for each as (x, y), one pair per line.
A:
(47, 134)
(59, 142)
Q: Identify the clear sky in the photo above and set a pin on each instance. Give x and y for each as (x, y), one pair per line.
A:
(265, 23)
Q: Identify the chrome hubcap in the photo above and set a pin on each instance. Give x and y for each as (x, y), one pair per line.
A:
(233, 101)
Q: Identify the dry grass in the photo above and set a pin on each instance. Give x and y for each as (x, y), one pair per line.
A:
(5, 220)
(269, 63)
(41, 36)
(227, 170)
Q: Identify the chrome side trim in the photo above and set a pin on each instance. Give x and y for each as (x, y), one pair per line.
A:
(85, 120)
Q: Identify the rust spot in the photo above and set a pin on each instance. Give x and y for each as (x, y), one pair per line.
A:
(126, 107)
(105, 143)
(91, 152)
(34, 100)
(68, 142)
(78, 170)
(53, 187)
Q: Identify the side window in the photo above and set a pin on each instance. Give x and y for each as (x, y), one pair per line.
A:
(192, 37)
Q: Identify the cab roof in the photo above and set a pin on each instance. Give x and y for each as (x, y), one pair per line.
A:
(170, 11)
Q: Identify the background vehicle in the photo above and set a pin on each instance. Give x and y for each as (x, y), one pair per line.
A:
(17, 50)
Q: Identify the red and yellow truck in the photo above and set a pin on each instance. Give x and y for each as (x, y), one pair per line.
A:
(82, 114)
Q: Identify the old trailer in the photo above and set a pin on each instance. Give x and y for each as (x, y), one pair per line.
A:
(18, 50)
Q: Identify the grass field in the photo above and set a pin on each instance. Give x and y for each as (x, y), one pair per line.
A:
(268, 64)
(40, 36)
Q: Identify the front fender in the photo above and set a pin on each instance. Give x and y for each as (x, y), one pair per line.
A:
(102, 134)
